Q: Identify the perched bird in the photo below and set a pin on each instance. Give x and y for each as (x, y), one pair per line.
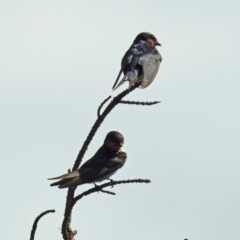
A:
(141, 61)
(106, 161)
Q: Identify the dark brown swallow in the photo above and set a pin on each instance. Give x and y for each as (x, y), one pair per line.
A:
(140, 62)
(106, 161)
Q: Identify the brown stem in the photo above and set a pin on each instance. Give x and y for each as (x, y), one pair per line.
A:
(101, 105)
(34, 227)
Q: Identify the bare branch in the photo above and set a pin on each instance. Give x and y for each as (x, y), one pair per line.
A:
(108, 184)
(34, 227)
(101, 105)
(139, 103)
(66, 229)
(97, 189)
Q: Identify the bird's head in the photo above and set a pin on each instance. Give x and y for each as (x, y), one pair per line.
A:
(114, 141)
(145, 36)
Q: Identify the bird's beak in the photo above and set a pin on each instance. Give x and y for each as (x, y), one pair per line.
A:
(121, 144)
(158, 44)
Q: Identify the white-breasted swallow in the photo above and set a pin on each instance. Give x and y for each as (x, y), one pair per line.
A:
(140, 62)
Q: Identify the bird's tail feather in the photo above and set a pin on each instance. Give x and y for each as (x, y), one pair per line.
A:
(67, 175)
(132, 77)
(120, 72)
(67, 180)
(131, 83)
(71, 183)
(63, 181)
(120, 83)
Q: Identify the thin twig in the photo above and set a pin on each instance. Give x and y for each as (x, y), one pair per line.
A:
(139, 103)
(108, 192)
(108, 184)
(104, 191)
(34, 227)
(101, 105)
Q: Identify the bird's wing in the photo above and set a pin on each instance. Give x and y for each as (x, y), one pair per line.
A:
(99, 159)
(150, 64)
(104, 170)
(128, 64)
(118, 161)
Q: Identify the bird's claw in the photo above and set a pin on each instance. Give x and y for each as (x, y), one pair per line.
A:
(111, 182)
(97, 187)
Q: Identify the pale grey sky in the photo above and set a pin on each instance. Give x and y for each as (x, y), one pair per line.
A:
(59, 60)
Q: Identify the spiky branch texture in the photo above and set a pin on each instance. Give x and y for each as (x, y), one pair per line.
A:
(139, 103)
(101, 105)
(34, 227)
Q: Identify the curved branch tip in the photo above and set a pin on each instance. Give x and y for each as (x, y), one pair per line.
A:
(34, 227)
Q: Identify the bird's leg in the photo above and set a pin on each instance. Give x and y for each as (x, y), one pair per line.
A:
(97, 187)
(100, 190)
(111, 182)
